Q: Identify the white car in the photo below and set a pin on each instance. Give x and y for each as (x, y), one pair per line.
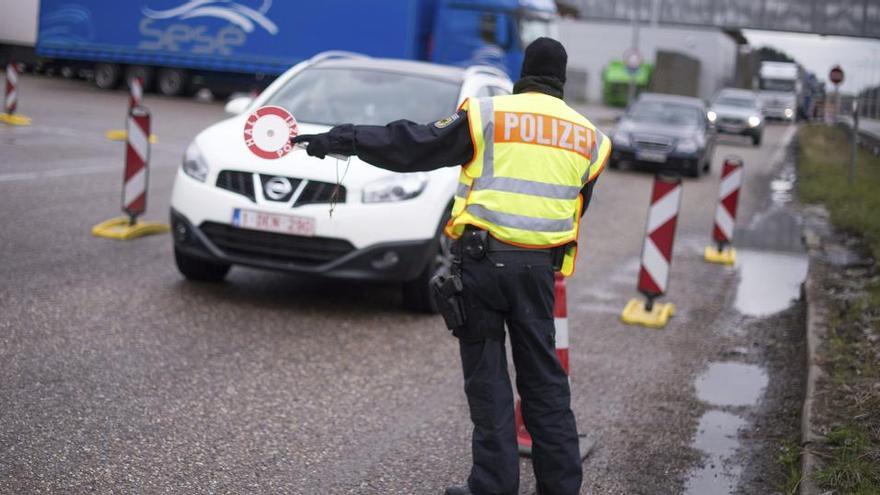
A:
(230, 207)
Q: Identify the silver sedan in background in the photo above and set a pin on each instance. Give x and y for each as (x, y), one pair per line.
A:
(738, 112)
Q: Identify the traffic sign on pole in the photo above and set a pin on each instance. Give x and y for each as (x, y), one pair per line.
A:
(835, 75)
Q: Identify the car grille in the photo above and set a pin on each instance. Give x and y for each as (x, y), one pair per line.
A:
(314, 192)
(237, 182)
(653, 144)
(270, 246)
(732, 121)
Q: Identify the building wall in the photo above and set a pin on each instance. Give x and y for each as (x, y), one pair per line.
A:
(592, 44)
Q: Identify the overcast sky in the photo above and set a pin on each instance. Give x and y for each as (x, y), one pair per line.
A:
(859, 58)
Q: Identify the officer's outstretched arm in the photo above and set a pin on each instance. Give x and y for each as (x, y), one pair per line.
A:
(401, 146)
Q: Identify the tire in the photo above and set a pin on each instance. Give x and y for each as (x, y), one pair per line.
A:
(147, 74)
(612, 163)
(417, 294)
(756, 140)
(107, 76)
(172, 82)
(707, 167)
(198, 269)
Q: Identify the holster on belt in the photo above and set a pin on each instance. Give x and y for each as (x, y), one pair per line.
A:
(447, 289)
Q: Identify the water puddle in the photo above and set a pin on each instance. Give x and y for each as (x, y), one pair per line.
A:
(717, 437)
(723, 384)
(731, 384)
(782, 188)
(769, 282)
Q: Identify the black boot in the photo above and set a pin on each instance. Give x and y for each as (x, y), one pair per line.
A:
(459, 490)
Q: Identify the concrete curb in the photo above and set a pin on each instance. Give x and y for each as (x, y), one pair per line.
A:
(817, 329)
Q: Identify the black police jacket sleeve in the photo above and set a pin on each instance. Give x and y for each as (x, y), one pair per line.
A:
(405, 146)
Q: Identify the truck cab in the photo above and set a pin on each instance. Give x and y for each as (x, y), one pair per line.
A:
(779, 86)
(489, 32)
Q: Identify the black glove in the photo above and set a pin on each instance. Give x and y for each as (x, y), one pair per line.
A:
(318, 145)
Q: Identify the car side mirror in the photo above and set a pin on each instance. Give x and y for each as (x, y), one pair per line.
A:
(238, 105)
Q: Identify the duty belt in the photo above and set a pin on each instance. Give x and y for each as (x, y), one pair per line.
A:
(476, 243)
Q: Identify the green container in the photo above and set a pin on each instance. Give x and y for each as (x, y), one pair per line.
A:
(615, 82)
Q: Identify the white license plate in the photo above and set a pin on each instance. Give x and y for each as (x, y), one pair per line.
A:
(272, 222)
(651, 156)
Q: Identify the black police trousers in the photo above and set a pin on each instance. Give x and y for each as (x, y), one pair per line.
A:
(516, 288)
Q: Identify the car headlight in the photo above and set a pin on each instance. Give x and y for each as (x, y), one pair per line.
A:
(789, 112)
(686, 146)
(620, 138)
(395, 188)
(712, 116)
(754, 121)
(193, 163)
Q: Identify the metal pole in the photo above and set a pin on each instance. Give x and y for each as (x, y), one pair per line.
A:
(855, 138)
(635, 46)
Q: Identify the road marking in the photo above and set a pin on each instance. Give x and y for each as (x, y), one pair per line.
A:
(63, 172)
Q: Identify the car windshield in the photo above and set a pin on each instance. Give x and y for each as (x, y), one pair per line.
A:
(727, 101)
(777, 85)
(667, 113)
(334, 96)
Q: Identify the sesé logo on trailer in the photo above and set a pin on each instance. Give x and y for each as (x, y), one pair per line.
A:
(172, 29)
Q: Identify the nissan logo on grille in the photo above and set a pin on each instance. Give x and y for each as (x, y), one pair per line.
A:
(278, 188)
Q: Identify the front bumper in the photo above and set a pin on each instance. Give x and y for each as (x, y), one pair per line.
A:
(322, 256)
(675, 161)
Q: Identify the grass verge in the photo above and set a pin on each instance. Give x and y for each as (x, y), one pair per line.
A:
(850, 405)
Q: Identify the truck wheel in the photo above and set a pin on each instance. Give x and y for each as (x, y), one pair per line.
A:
(756, 140)
(145, 73)
(198, 269)
(107, 76)
(172, 82)
(417, 294)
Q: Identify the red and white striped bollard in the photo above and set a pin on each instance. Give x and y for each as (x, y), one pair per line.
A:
(657, 255)
(10, 102)
(725, 214)
(10, 99)
(135, 92)
(137, 159)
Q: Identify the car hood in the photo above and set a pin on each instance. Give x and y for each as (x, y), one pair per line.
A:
(223, 148)
(652, 129)
(731, 111)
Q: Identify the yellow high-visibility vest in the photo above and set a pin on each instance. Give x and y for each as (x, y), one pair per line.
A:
(532, 156)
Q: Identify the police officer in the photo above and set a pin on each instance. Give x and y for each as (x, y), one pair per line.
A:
(530, 165)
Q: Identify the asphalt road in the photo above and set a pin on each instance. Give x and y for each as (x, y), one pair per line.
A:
(116, 375)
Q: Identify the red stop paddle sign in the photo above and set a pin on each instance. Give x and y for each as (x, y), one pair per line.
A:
(268, 131)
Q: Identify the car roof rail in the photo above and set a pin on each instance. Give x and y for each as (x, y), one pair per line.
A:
(487, 70)
(331, 54)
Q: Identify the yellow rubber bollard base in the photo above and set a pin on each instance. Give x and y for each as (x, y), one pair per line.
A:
(122, 135)
(634, 314)
(119, 228)
(14, 119)
(726, 256)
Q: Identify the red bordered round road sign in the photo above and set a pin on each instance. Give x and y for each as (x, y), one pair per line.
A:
(268, 131)
(836, 75)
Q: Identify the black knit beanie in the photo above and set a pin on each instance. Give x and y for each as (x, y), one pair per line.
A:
(545, 57)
